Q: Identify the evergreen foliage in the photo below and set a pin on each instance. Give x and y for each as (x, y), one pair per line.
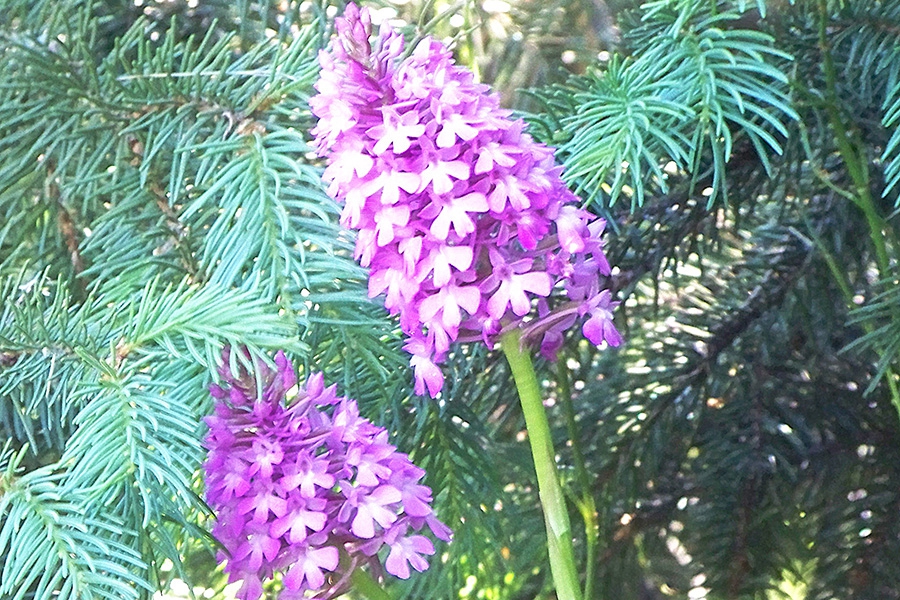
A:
(747, 435)
(157, 205)
(158, 201)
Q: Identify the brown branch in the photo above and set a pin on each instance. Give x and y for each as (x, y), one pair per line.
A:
(179, 232)
(70, 236)
(65, 222)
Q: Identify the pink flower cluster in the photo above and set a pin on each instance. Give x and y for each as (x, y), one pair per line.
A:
(462, 218)
(305, 493)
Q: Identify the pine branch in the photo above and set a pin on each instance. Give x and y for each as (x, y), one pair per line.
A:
(39, 334)
(696, 87)
(69, 555)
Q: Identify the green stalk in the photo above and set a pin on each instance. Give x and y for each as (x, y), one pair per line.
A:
(858, 169)
(586, 505)
(842, 282)
(556, 517)
(367, 586)
(853, 158)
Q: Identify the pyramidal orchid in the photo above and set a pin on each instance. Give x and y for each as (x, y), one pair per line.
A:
(308, 489)
(462, 218)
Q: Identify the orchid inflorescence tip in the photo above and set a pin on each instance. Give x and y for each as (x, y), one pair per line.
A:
(462, 218)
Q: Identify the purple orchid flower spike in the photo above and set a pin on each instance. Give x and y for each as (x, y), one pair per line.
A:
(296, 484)
(462, 218)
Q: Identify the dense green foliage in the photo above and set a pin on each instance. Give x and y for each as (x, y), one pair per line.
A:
(751, 423)
(156, 205)
(158, 200)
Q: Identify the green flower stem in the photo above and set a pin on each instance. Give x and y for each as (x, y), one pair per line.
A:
(854, 158)
(556, 517)
(841, 278)
(858, 168)
(367, 586)
(586, 504)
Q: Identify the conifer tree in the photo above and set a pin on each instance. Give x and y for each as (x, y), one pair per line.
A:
(160, 201)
